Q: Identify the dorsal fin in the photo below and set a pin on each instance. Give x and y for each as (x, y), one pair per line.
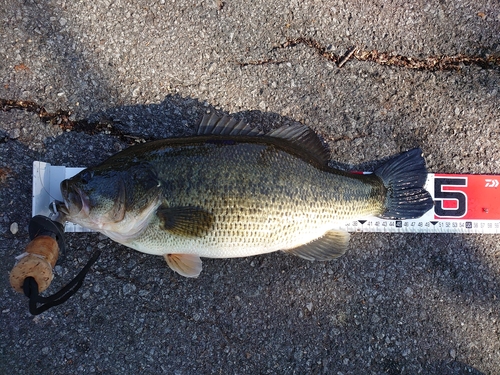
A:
(227, 125)
(305, 138)
(301, 136)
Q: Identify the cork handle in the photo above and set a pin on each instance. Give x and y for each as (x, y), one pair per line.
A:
(37, 261)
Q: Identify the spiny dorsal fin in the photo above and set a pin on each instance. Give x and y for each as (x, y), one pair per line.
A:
(226, 125)
(332, 245)
(301, 136)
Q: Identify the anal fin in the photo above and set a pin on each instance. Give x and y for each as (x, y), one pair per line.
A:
(332, 245)
(187, 265)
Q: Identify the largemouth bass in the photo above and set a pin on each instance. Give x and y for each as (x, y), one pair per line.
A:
(232, 191)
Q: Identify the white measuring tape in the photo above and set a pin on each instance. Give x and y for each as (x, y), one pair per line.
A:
(463, 203)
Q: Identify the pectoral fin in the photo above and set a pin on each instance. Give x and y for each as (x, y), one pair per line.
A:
(185, 221)
(332, 245)
(187, 265)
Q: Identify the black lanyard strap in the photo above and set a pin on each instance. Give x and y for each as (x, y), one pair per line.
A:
(30, 288)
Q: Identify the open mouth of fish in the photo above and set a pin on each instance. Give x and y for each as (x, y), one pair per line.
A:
(74, 200)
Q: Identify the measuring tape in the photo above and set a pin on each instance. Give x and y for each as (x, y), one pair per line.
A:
(463, 203)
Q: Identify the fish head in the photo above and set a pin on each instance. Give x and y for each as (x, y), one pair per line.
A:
(94, 198)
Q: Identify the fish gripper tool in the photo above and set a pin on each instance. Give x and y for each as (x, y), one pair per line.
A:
(33, 272)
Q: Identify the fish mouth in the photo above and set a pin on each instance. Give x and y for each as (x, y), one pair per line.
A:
(75, 200)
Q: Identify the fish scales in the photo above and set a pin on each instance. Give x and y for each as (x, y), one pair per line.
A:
(232, 191)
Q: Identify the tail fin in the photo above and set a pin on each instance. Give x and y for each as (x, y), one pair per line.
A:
(404, 177)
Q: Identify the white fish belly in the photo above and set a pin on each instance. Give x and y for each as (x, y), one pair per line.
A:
(237, 240)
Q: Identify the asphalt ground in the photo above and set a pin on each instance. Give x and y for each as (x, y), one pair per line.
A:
(127, 70)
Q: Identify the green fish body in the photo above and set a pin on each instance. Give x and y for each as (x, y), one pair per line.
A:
(232, 191)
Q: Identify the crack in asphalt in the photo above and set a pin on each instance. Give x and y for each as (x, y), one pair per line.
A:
(431, 63)
(62, 118)
(261, 62)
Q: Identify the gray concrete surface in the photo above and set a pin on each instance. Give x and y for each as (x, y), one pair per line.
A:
(395, 304)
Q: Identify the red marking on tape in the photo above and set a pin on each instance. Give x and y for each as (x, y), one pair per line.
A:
(467, 197)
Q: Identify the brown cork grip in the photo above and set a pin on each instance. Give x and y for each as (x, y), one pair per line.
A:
(38, 262)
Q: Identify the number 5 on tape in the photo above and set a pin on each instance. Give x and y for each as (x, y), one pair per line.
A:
(466, 197)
